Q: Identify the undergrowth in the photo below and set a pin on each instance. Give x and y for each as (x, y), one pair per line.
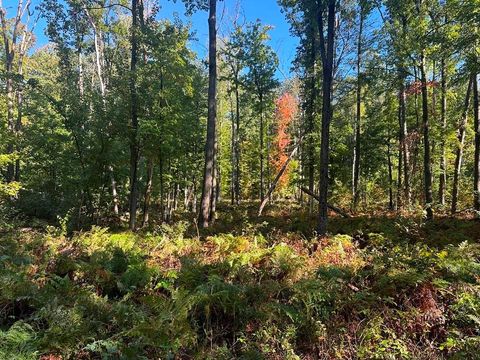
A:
(408, 292)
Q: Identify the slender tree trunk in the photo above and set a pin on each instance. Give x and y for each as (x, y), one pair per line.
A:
(148, 193)
(233, 154)
(327, 54)
(215, 183)
(399, 178)
(10, 48)
(162, 188)
(113, 185)
(476, 169)
(391, 205)
(97, 41)
(19, 123)
(443, 120)
(209, 169)
(10, 113)
(460, 144)
(134, 146)
(427, 162)
(279, 175)
(237, 143)
(356, 149)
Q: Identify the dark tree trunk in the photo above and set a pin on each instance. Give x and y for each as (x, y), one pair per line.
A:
(327, 54)
(262, 181)
(476, 169)
(427, 161)
(460, 144)
(134, 146)
(209, 169)
(356, 149)
(311, 119)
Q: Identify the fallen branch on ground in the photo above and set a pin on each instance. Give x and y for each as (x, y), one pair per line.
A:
(331, 207)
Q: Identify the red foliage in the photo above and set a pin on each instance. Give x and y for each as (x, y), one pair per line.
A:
(416, 87)
(285, 111)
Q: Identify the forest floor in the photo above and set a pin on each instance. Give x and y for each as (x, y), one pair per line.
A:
(378, 287)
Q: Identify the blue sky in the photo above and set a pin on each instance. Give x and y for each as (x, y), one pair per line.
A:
(267, 11)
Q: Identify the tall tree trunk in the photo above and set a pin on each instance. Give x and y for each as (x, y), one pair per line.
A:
(356, 149)
(237, 142)
(99, 56)
(134, 145)
(209, 169)
(427, 162)
(476, 169)
(262, 181)
(310, 117)
(443, 121)
(460, 144)
(327, 54)
(19, 122)
(233, 153)
(9, 58)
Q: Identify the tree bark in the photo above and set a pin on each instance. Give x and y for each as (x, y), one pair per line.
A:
(460, 144)
(327, 54)
(209, 169)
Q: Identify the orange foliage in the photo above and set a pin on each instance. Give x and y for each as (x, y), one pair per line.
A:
(285, 111)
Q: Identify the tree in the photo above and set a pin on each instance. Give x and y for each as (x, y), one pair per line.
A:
(362, 14)
(207, 207)
(233, 55)
(134, 145)
(462, 127)
(285, 112)
(261, 63)
(476, 127)
(16, 42)
(327, 44)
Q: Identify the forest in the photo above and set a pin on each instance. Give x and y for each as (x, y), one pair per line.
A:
(175, 185)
